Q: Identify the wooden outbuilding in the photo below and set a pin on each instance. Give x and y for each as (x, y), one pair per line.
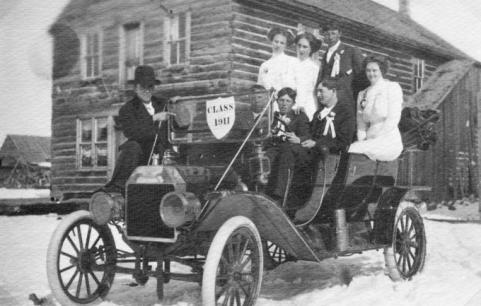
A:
(451, 166)
(25, 161)
(198, 49)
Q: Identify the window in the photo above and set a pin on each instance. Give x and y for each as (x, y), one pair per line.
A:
(91, 55)
(177, 40)
(131, 48)
(419, 75)
(92, 142)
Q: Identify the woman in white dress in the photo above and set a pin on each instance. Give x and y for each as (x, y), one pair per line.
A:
(378, 113)
(276, 72)
(306, 71)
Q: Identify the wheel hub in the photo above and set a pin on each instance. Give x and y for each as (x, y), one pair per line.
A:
(85, 261)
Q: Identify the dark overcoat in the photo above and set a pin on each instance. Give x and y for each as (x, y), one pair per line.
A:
(137, 124)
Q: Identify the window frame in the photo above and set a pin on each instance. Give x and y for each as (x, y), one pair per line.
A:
(171, 22)
(419, 74)
(93, 142)
(84, 54)
(122, 49)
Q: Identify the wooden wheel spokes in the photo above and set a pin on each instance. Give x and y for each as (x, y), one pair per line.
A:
(82, 262)
(277, 253)
(407, 245)
(236, 275)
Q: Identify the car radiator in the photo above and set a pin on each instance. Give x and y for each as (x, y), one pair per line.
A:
(142, 216)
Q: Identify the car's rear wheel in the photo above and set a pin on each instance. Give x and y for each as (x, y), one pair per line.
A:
(81, 260)
(407, 255)
(234, 263)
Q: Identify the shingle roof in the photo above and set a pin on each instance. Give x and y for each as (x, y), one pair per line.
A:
(383, 19)
(440, 84)
(34, 149)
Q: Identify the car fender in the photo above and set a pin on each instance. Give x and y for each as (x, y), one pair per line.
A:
(271, 222)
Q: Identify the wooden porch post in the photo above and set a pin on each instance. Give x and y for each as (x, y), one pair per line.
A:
(478, 147)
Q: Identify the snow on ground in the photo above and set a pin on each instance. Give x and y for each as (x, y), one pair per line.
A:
(452, 274)
(458, 210)
(24, 193)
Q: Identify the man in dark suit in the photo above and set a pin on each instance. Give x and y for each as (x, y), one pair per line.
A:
(342, 62)
(140, 119)
(285, 153)
(333, 125)
(332, 129)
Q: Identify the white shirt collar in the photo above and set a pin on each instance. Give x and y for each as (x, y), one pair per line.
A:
(149, 107)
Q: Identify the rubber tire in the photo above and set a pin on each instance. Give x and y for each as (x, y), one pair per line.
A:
(52, 257)
(215, 252)
(389, 258)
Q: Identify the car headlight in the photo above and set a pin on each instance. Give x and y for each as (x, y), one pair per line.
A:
(179, 208)
(104, 207)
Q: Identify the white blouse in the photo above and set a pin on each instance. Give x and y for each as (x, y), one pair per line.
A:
(305, 77)
(378, 113)
(277, 72)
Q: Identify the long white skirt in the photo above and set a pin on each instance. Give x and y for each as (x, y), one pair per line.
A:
(384, 147)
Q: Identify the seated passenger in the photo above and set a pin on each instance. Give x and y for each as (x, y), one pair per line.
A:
(285, 152)
(378, 114)
(332, 130)
(333, 125)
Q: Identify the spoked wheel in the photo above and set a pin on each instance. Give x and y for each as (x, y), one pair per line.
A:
(234, 263)
(81, 260)
(274, 255)
(408, 252)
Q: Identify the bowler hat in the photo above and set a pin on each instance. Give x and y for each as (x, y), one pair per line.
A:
(145, 76)
(276, 30)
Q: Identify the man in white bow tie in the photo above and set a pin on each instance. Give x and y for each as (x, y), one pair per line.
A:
(333, 125)
(332, 129)
(342, 62)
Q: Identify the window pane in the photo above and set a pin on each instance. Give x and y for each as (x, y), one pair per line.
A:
(95, 43)
(182, 55)
(86, 130)
(173, 52)
(182, 23)
(85, 156)
(101, 153)
(96, 65)
(102, 129)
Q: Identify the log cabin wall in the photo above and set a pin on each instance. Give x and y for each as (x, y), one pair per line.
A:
(75, 97)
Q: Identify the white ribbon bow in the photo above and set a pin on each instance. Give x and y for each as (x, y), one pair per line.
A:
(329, 126)
(336, 66)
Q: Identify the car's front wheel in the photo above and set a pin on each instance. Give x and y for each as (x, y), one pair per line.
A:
(234, 263)
(81, 260)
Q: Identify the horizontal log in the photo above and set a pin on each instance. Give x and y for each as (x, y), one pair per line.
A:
(83, 173)
(79, 180)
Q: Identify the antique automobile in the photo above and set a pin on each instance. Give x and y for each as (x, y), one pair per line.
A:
(204, 207)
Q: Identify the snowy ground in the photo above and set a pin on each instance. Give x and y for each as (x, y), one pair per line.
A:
(24, 193)
(452, 274)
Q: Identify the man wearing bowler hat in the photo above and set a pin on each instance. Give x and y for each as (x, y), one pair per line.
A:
(141, 119)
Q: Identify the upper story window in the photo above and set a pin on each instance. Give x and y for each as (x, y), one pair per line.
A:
(92, 142)
(131, 50)
(419, 74)
(91, 55)
(177, 38)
